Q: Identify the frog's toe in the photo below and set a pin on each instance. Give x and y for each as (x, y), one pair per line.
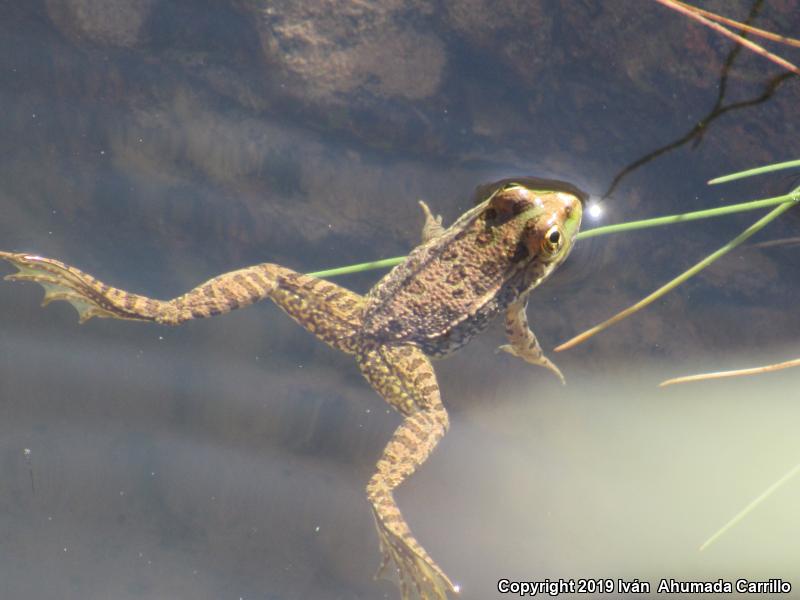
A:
(535, 359)
(553, 368)
(506, 348)
(543, 361)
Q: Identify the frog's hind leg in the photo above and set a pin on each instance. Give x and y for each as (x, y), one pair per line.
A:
(523, 342)
(89, 296)
(404, 377)
(327, 310)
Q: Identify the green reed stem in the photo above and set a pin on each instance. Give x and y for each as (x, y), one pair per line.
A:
(739, 239)
(747, 509)
(757, 171)
(685, 217)
(376, 264)
(605, 230)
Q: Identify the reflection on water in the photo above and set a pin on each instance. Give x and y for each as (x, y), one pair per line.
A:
(157, 144)
(129, 477)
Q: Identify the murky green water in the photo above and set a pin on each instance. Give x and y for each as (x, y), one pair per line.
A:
(155, 144)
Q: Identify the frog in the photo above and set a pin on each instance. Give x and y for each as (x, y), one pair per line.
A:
(446, 291)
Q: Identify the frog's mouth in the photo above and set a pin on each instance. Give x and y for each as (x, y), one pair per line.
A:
(482, 192)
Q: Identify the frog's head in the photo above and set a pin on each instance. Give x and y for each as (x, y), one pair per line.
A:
(542, 216)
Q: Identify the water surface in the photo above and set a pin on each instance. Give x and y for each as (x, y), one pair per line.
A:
(156, 144)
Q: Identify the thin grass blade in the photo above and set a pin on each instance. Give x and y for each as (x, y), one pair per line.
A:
(686, 217)
(757, 171)
(367, 266)
(780, 39)
(747, 509)
(752, 46)
(735, 373)
(742, 237)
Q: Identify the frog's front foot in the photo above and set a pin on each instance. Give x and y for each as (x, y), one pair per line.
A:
(535, 359)
(433, 223)
(419, 576)
(522, 341)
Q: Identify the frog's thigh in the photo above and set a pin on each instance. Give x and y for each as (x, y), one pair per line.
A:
(402, 375)
(327, 310)
(522, 341)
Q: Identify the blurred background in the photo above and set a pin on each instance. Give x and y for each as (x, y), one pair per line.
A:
(155, 144)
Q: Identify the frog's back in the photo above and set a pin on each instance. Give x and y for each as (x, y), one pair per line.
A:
(447, 290)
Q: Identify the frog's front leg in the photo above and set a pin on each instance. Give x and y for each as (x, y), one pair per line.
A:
(523, 342)
(404, 376)
(433, 224)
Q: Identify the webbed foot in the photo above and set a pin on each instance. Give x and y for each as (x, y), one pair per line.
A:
(62, 282)
(418, 575)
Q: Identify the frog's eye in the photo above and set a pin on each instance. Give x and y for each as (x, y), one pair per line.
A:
(552, 240)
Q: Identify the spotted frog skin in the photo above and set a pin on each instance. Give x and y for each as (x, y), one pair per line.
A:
(446, 291)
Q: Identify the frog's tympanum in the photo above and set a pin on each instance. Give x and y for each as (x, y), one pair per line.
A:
(445, 292)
